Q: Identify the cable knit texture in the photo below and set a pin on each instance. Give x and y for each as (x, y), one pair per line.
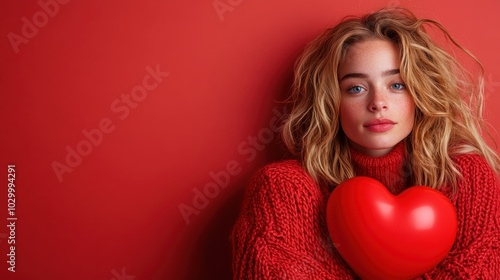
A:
(281, 232)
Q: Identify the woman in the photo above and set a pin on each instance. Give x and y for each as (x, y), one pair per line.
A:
(373, 96)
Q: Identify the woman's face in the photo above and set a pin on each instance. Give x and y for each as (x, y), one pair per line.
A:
(376, 109)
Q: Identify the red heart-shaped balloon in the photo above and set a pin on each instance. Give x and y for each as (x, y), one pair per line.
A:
(382, 236)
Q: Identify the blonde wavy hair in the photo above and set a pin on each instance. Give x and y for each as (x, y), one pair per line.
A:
(448, 98)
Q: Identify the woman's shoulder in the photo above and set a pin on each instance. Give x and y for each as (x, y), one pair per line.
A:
(476, 173)
(289, 165)
(472, 163)
(286, 175)
(283, 171)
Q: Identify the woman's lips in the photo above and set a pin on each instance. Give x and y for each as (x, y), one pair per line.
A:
(379, 125)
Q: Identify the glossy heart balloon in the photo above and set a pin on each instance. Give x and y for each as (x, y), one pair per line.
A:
(382, 236)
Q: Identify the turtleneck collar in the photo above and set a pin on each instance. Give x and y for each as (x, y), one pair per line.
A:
(388, 169)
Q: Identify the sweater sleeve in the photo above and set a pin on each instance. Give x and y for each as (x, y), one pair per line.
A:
(280, 233)
(476, 252)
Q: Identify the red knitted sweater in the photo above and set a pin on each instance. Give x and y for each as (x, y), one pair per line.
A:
(281, 232)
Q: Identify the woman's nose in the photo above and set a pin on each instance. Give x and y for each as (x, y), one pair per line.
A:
(378, 101)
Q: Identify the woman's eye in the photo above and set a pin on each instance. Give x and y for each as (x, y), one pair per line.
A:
(355, 89)
(398, 86)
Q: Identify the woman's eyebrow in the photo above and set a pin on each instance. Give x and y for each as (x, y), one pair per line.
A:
(390, 72)
(353, 75)
(362, 75)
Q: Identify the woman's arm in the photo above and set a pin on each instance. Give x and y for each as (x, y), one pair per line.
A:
(280, 233)
(476, 252)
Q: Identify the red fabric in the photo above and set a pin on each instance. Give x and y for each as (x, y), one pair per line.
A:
(281, 232)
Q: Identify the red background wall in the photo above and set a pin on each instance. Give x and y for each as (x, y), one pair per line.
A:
(115, 211)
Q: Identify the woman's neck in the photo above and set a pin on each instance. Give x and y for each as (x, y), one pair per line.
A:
(389, 169)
